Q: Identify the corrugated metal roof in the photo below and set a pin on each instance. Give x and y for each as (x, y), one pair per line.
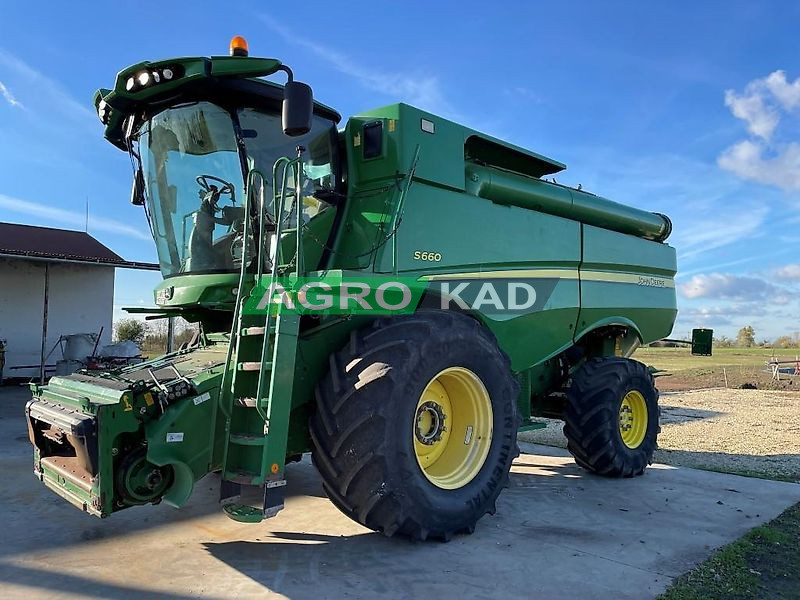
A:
(47, 243)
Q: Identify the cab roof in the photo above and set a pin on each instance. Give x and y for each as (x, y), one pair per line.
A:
(147, 88)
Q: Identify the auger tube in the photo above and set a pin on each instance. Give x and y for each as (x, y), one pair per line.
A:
(503, 187)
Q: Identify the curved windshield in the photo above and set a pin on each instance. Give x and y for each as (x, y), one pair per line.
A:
(194, 188)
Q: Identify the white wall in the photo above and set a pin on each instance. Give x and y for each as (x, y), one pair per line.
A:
(81, 301)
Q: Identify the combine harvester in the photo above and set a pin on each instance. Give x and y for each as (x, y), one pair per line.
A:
(415, 235)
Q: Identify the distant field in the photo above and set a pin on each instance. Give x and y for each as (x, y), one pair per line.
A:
(740, 365)
(679, 359)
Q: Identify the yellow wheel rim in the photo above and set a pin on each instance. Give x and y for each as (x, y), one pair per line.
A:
(452, 428)
(633, 419)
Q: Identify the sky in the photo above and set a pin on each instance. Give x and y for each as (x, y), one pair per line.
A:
(690, 109)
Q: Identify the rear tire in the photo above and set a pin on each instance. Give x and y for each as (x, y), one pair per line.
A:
(379, 417)
(611, 421)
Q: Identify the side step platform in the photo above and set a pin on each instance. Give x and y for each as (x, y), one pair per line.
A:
(252, 503)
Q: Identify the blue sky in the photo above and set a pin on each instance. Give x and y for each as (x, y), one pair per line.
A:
(690, 109)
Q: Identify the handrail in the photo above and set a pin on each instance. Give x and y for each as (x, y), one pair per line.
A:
(283, 165)
(398, 214)
(236, 321)
(279, 205)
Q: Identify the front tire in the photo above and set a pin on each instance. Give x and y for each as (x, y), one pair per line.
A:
(416, 426)
(611, 421)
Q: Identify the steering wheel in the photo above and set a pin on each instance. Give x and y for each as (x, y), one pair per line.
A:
(227, 187)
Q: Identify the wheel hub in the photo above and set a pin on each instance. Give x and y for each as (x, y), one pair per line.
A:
(453, 428)
(430, 423)
(633, 419)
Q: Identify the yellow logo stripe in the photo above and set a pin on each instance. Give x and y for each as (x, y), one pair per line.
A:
(600, 276)
(508, 274)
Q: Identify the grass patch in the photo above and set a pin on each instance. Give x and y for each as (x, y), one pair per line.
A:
(728, 367)
(771, 475)
(764, 564)
(681, 359)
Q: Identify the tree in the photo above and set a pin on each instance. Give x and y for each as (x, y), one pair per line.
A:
(723, 342)
(785, 341)
(746, 337)
(131, 330)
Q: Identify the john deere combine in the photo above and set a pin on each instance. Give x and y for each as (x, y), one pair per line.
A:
(398, 296)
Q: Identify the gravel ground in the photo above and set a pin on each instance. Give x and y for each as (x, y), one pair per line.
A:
(750, 432)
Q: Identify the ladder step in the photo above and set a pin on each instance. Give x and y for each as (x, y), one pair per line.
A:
(249, 331)
(248, 439)
(244, 513)
(247, 402)
(253, 366)
(272, 500)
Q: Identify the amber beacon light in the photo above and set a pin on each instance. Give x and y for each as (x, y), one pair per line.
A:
(238, 46)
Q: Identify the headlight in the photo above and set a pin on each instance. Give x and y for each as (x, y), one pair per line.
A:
(143, 79)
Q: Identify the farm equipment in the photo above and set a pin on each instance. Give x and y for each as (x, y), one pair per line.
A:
(410, 415)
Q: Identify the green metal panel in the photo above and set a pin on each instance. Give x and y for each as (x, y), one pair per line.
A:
(214, 290)
(192, 457)
(628, 280)
(442, 146)
(472, 233)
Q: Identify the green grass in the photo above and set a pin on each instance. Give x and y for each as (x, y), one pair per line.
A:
(772, 475)
(681, 359)
(764, 564)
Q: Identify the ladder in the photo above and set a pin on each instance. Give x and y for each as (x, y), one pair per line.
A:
(258, 381)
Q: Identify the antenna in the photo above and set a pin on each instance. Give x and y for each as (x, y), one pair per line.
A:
(86, 228)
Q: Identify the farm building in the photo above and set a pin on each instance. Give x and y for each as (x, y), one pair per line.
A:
(53, 282)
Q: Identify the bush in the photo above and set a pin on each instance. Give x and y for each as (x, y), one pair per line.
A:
(131, 330)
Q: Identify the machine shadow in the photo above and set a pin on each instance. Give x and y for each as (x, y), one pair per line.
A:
(57, 582)
(675, 415)
(369, 556)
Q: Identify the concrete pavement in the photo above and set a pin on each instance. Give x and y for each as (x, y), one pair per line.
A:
(559, 532)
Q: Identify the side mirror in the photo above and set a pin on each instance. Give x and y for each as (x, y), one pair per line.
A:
(137, 189)
(702, 340)
(298, 108)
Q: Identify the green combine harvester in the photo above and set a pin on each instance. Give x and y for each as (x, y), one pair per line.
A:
(410, 407)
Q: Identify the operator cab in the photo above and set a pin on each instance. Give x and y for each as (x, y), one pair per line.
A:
(195, 158)
(199, 131)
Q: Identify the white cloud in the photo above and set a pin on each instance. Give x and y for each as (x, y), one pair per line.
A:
(525, 94)
(748, 159)
(423, 91)
(732, 263)
(737, 309)
(729, 287)
(789, 271)
(46, 89)
(752, 108)
(699, 236)
(787, 94)
(762, 105)
(713, 316)
(6, 93)
(69, 218)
